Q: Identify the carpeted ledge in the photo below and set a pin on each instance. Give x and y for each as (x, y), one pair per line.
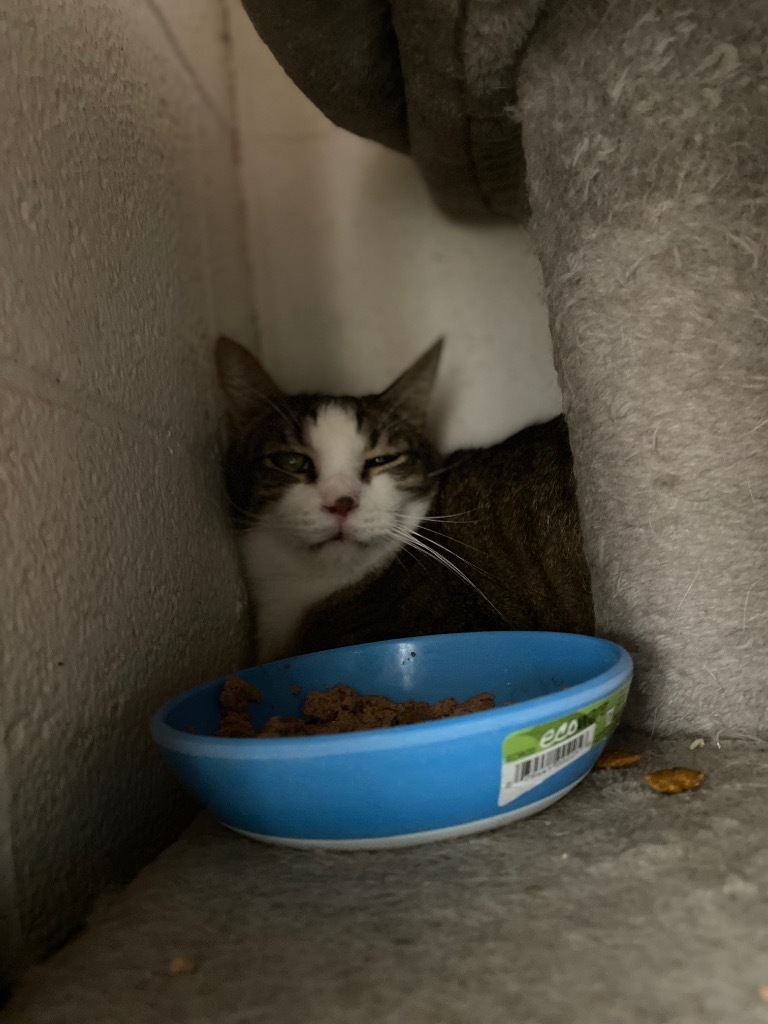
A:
(617, 906)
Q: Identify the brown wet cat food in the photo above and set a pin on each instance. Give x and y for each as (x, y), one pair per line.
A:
(234, 699)
(338, 710)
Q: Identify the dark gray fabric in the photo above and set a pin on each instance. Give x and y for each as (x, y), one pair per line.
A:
(343, 55)
(435, 78)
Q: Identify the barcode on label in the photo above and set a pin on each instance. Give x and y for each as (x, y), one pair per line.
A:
(524, 770)
(517, 777)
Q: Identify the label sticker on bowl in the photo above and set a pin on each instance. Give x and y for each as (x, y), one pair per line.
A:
(530, 756)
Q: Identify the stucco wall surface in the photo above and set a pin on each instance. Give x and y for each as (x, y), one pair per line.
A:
(121, 257)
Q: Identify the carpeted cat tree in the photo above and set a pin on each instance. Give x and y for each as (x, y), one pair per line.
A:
(642, 130)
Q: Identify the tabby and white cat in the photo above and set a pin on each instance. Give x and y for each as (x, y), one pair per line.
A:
(353, 528)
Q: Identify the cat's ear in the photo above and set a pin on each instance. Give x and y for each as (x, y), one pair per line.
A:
(411, 392)
(249, 390)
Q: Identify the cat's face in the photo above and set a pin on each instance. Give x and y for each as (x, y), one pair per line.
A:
(342, 480)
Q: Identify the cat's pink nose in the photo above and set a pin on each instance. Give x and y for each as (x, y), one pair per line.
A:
(342, 506)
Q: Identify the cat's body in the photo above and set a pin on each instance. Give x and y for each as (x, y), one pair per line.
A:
(354, 529)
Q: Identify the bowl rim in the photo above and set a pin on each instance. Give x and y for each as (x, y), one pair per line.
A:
(517, 715)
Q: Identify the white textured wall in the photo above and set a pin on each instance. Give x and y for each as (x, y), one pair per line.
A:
(121, 258)
(355, 272)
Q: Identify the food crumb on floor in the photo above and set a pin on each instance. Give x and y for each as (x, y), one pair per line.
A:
(181, 965)
(617, 759)
(674, 780)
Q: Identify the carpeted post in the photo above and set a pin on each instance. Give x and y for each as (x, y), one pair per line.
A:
(645, 127)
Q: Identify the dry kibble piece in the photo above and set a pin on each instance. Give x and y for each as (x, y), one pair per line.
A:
(181, 965)
(617, 759)
(674, 780)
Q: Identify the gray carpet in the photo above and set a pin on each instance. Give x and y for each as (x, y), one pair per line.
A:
(616, 906)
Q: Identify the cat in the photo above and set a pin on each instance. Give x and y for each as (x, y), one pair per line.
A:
(353, 527)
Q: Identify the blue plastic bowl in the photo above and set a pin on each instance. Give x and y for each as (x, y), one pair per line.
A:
(411, 783)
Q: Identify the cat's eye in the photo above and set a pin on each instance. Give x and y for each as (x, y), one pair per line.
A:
(381, 460)
(290, 462)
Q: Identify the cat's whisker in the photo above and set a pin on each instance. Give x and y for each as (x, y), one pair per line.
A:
(442, 560)
(419, 560)
(441, 526)
(454, 540)
(416, 555)
(437, 519)
(443, 547)
(421, 544)
(431, 519)
(404, 550)
(455, 516)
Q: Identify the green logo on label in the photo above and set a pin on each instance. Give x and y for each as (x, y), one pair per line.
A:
(604, 716)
